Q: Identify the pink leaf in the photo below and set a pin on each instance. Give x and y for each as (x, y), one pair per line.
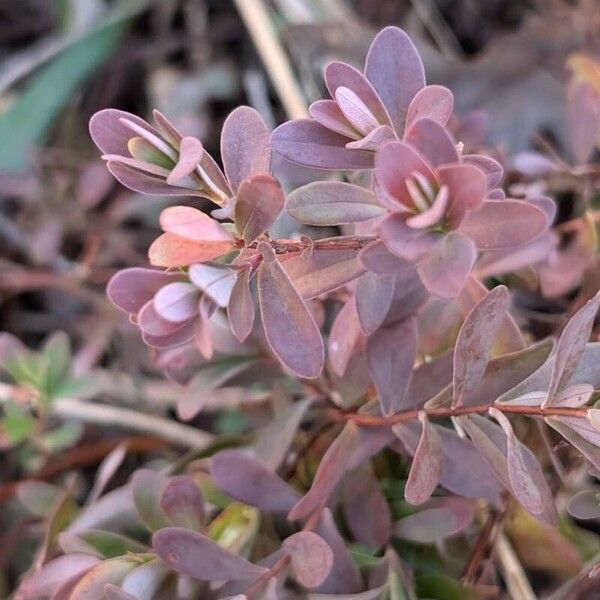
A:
(433, 141)
(190, 154)
(405, 241)
(244, 145)
(466, 185)
(395, 69)
(311, 557)
(109, 133)
(192, 224)
(338, 74)
(433, 102)
(444, 271)
(260, 200)
(475, 341)
(344, 335)
(490, 167)
(308, 143)
(391, 353)
(289, 327)
(355, 110)
(328, 113)
(434, 214)
(395, 162)
(170, 250)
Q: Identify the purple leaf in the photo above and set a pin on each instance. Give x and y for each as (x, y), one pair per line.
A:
(177, 302)
(331, 470)
(391, 353)
(378, 259)
(374, 294)
(373, 139)
(355, 110)
(197, 556)
(260, 201)
(571, 346)
(147, 184)
(332, 203)
(247, 480)
(426, 466)
(309, 143)
(322, 271)
(311, 557)
(395, 69)
(241, 306)
(182, 503)
(433, 141)
(130, 289)
(522, 485)
(404, 241)
(434, 214)
(466, 185)
(441, 518)
(110, 134)
(445, 270)
(475, 340)
(344, 577)
(289, 327)
(433, 102)
(339, 74)
(190, 154)
(503, 224)
(244, 145)
(91, 585)
(366, 510)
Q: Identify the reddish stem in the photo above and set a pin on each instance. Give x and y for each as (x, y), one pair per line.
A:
(445, 412)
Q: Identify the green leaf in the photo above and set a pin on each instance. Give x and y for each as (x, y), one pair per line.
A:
(63, 436)
(235, 528)
(442, 587)
(25, 124)
(56, 354)
(18, 424)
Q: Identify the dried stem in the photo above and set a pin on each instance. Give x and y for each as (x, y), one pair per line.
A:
(349, 242)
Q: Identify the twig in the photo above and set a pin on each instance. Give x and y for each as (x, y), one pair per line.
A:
(257, 21)
(514, 576)
(115, 416)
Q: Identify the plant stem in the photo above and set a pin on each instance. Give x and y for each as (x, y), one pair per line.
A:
(350, 242)
(445, 412)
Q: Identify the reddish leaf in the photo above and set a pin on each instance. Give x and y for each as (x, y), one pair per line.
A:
(191, 224)
(433, 141)
(345, 333)
(170, 250)
(466, 185)
(374, 294)
(260, 200)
